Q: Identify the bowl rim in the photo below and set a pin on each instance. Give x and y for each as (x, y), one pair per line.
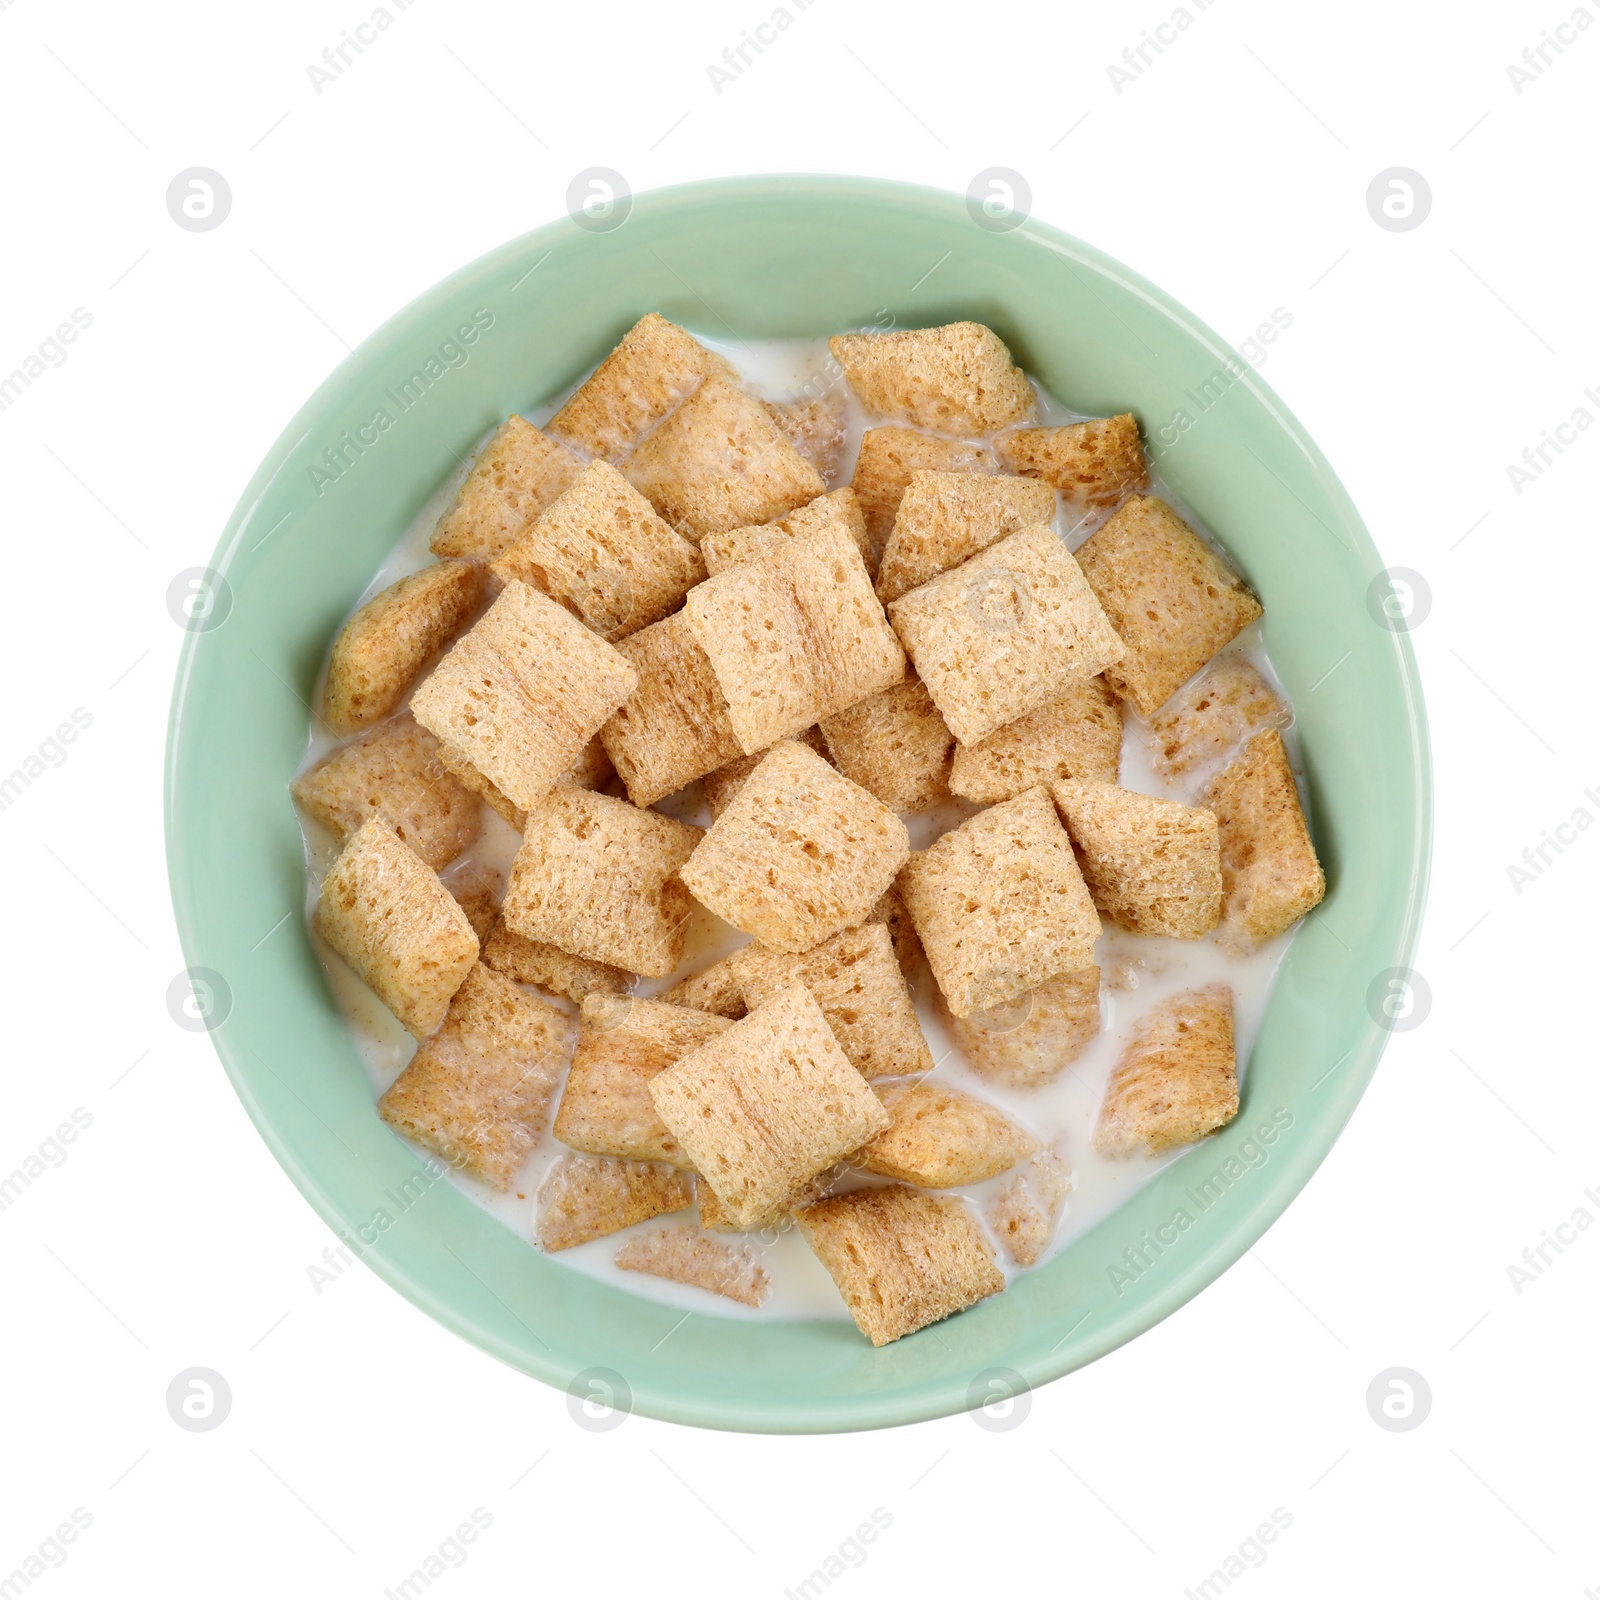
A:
(1248, 1224)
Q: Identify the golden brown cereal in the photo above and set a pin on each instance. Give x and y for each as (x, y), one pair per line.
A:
(478, 1092)
(684, 1254)
(716, 988)
(1208, 721)
(957, 379)
(895, 745)
(1000, 905)
(884, 467)
(532, 961)
(384, 910)
(1076, 734)
(389, 640)
(1167, 594)
(840, 508)
(722, 785)
(940, 1138)
(585, 1197)
(1030, 1040)
(1176, 1080)
(517, 474)
(1094, 464)
(799, 854)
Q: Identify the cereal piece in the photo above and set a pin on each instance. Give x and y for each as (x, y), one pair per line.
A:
(1094, 464)
(593, 769)
(468, 776)
(622, 1044)
(395, 773)
(1076, 734)
(720, 461)
(522, 694)
(816, 428)
(674, 727)
(794, 634)
(722, 785)
(1167, 594)
(901, 1259)
(1270, 873)
(716, 988)
(478, 889)
(1027, 1211)
(1028, 1041)
(1176, 1081)
(389, 640)
(891, 912)
(684, 1254)
(940, 1138)
(946, 518)
(384, 910)
(586, 1197)
(598, 878)
(1152, 865)
(800, 853)
(856, 980)
(957, 379)
(767, 1105)
(533, 961)
(517, 474)
(601, 552)
(884, 467)
(1208, 722)
(478, 1092)
(655, 368)
(720, 1219)
(1005, 632)
(841, 508)
(1000, 905)
(895, 745)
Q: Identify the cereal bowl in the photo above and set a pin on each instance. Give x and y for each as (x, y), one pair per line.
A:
(760, 258)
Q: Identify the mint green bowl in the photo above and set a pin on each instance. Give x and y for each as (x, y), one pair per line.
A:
(765, 258)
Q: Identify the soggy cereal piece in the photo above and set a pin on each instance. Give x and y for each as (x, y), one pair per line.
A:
(940, 1137)
(533, 961)
(1003, 633)
(478, 890)
(720, 461)
(522, 694)
(840, 508)
(767, 1105)
(655, 368)
(716, 988)
(1152, 865)
(858, 983)
(684, 1254)
(722, 785)
(390, 639)
(946, 518)
(598, 878)
(384, 910)
(1076, 734)
(393, 772)
(1270, 873)
(1176, 1081)
(1030, 1040)
(901, 1259)
(1094, 464)
(794, 634)
(958, 379)
(587, 1197)
(478, 1092)
(1208, 721)
(622, 1044)
(517, 474)
(1000, 905)
(816, 428)
(891, 912)
(603, 553)
(799, 854)
(895, 745)
(674, 727)
(884, 467)
(1027, 1211)
(1167, 594)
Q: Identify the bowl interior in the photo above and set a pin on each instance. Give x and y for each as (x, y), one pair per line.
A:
(765, 258)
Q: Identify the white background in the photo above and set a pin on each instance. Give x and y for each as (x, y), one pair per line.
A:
(1233, 172)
